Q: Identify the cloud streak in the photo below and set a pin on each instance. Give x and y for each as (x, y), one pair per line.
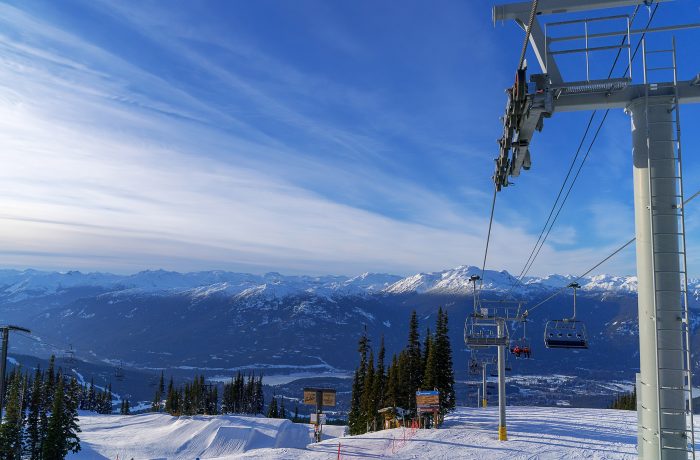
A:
(111, 165)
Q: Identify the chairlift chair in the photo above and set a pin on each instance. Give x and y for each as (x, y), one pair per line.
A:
(119, 373)
(568, 332)
(522, 348)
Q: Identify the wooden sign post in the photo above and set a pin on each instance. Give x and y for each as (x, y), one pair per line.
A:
(319, 397)
(428, 402)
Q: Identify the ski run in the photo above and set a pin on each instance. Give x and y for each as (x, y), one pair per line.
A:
(468, 433)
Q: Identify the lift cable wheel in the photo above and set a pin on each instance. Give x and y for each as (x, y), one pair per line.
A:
(542, 236)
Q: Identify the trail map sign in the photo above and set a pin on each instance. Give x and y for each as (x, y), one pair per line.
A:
(326, 395)
(427, 400)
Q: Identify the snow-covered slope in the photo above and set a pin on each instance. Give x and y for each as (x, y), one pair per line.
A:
(469, 433)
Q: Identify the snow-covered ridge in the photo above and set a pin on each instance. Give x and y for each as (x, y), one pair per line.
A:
(16, 285)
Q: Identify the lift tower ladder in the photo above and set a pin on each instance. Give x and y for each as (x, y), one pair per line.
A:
(669, 307)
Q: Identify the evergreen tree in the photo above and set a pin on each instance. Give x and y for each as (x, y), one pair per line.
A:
(156, 404)
(54, 444)
(157, 398)
(355, 414)
(272, 410)
(430, 377)
(445, 381)
(295, 419)
(356, 420)
(34, 437)
(282, 412)
(50, 382)
(170, 402)
(212, 401)
(407, 395)
(392, 383)
(91, 397)
(367, 403)
(11, 429)
(414, 373)
(69, 421)
(161, 383)
(259, 402)
(380, 377)
(625, 401)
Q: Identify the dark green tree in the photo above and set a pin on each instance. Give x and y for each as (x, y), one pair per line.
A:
(54, 446)
(11, 429)
(34, 436)
(392, 383)
(282, 411)
(445, 381)
(368, 402)
(70, 427)
(415, 361)
(272, 410)
(430, 377)
(625, 401)
(356, 419)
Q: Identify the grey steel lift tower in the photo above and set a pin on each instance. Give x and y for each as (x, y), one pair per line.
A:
(665, 421)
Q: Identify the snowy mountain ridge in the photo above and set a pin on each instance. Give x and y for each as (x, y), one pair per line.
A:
(18, 285)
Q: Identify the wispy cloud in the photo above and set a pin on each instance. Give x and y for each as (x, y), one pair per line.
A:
(247, 163)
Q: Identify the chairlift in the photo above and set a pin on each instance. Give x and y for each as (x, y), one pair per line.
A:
(119, 373)
(474, 366)
(568, 332)
(69, 356)
(521, 348)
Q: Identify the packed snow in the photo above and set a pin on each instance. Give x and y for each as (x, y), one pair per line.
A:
(468, 433)
(161, 436)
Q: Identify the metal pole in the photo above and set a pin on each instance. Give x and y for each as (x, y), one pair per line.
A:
(3, 360)
(319, 397)
(662, 413)
(483, 385)
(502, 434)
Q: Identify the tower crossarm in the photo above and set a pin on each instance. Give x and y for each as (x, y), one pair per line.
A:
(688, 93)
(516, 10)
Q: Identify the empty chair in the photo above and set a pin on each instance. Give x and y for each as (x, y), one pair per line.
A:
(567, 332)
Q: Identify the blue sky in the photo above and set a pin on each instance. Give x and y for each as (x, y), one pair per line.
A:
(301, 137)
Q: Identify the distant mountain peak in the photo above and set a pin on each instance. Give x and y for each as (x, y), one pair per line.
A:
(16, 284)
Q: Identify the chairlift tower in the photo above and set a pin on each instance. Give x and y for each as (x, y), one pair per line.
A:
(665, 420)
(486, 327)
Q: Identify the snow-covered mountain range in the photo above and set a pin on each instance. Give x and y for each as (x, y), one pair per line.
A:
(217, 321)
(18, 285)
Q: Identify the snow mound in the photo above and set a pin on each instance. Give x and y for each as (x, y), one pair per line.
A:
(164, 436)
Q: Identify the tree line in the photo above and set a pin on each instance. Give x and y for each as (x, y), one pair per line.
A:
(625, 401)
(41, 415)
(242, 395)
(418, 366)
